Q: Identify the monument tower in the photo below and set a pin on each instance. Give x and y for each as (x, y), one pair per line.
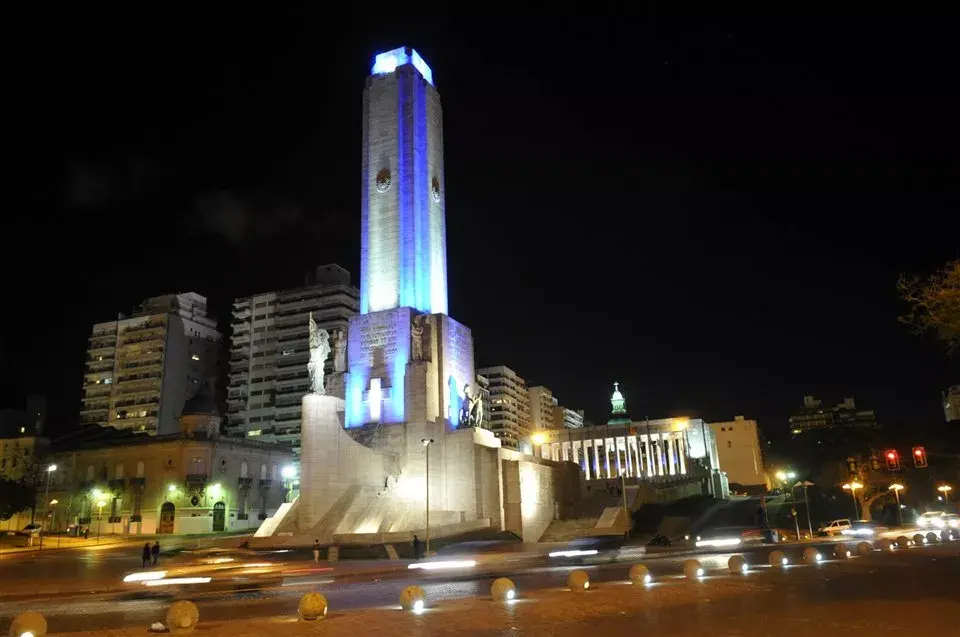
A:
(408, 361)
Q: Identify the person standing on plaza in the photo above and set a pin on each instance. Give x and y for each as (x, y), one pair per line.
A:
(146, 555)
(155, 552)
(416, 547)
(316, 551)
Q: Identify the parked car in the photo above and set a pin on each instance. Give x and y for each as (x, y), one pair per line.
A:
(30, 529)
(952, 520)
(835, 527)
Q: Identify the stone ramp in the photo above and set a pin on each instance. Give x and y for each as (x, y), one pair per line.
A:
(406, 537)
(271, 525)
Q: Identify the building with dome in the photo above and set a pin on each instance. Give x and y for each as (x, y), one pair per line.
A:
(660, 452)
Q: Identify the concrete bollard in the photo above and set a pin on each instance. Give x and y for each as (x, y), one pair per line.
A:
(945, 535)
(413, 598)
(737, 565)
(693, 570)
(182, 617)
(312, 606)
(812, 556)
(919, 540)
(640, 574)
(503, 590)
(578, 581)
(932, 538)
(903, 542)
(841, 551)
(864, 548)
(885, 544)
(28, 623)
(778, 559)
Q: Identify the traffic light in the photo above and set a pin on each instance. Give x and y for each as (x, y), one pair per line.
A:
(893, 460)
(919, 457)
(874, 462)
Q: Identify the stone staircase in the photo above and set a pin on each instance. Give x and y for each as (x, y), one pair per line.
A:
(333, 553)
(391, 552)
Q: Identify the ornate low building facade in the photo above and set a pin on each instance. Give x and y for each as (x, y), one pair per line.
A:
(661, 450)
(192, 482)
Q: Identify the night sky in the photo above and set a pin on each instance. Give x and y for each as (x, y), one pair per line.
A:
(713, 213)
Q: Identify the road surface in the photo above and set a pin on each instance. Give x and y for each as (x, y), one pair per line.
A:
(914, 574)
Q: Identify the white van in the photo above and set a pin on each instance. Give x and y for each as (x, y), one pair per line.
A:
(836, 527)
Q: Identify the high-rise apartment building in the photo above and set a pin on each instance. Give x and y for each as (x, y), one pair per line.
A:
(542, 407)
(509, 415)
(846, 415)
(141, 369)
(269, 351)
(564, 418)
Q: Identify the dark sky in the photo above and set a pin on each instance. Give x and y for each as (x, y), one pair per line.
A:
(713, 213)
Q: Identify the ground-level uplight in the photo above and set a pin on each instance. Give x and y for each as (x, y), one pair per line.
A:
(578, 581)
(640, 574)
(778, 559)
(737, 565)
(503, 590)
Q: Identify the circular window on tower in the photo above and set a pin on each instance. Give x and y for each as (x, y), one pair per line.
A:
(435, 189)
(383, 180)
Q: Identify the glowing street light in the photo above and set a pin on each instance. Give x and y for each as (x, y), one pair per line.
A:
(46, 494)
(100, 506)
(897, 488)
(945, 489)
(852, 487)
(426, 442)
(539, 438)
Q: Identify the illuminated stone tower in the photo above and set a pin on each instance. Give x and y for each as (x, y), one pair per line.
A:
(408, 361)
(403, 259)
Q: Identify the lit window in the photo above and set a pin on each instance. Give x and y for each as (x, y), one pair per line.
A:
(23, 429)
(195, 357)
(254, 432)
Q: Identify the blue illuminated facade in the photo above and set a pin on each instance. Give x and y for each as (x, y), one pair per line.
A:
(403, 261)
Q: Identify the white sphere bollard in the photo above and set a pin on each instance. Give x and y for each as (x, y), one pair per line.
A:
(312, 606)
(945, 535)
(932, 538)
(640, 574)
(503, 590)
(29, 623)
(812, 555)
(692, 569)
(885, 544)
(182, 617)
(578, 581)
(841, 551)
(919, 540)
(864, 548)
(903, 542)
(778, 559)
(413, 598)
(737, 565)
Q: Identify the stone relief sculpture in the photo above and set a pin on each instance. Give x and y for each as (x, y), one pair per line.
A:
(471, 412)
(416, 338)
(340, 351)
(319, 350)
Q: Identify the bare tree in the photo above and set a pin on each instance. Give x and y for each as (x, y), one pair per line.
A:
(934, 304)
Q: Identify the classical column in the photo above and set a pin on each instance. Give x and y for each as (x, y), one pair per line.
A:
(659, 454)
(637, 458)
(682, 453)
(616, 450)
(627, 457)
(671, 460)
(596, 459)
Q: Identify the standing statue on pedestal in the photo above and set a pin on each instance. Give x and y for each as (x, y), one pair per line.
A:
(416, 339)
(319, 350)
(340, 351)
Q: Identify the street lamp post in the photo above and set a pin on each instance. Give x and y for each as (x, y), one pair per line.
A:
(897, 488)
(100, 506)
(806, 505)
(426, 442)
(852, 487)
(46, 493)
(626, 511)
(53, 522)
(945, 489)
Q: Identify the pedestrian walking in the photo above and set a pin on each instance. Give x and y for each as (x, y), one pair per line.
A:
(316, 551)
(146, 555)
(155, 552)
(416, 547)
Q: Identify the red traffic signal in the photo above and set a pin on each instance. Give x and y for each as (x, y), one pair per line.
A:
(919, 457)
(893, 460)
